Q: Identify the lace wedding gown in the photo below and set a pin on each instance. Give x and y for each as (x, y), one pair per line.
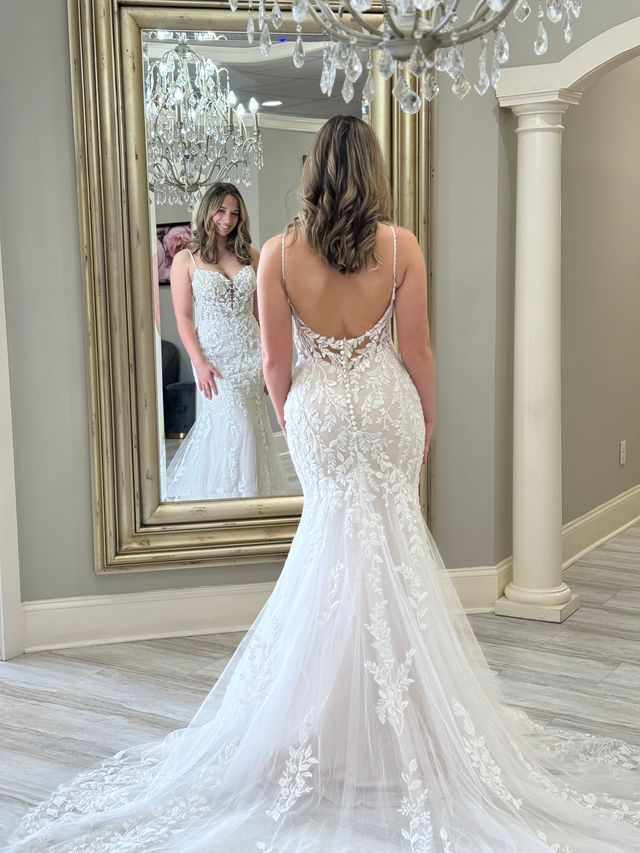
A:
(230, 451)
(358, 714)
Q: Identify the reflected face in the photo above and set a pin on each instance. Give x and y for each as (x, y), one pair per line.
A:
(227, 216)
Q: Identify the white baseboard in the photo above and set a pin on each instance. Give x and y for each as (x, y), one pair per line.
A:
(480, 586)
(95, 619)
(602, 523)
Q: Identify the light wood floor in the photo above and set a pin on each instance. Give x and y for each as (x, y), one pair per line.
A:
(62, 711)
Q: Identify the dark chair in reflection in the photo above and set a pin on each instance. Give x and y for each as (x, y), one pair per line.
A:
(179, 398)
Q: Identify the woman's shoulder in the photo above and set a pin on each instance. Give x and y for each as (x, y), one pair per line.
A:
(403, 235)
(273, 245)
(407, 246)
(183, 256)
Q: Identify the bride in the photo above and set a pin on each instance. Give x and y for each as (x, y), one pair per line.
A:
(230, 452)
(358, 713)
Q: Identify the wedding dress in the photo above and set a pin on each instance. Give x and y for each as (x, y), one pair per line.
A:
(230, 451)
(358, 713)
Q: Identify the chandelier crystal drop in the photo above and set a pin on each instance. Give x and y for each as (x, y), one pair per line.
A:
(196, 129)
(422, 36)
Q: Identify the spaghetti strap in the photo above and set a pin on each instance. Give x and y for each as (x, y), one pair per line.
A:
(195, 266)
(395, 256)
(284, 286)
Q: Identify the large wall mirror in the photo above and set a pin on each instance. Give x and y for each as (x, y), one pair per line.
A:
(141, 73)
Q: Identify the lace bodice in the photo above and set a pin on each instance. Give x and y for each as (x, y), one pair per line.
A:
(213, 291)
(227, 330)
(342, 351)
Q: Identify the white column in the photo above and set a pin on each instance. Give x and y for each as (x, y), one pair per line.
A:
(11, 615)
(537, 590)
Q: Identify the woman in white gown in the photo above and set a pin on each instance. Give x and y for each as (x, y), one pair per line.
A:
(230, 452)
(358, 713)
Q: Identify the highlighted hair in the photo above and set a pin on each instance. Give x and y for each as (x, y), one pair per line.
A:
(204, 236)
(344, 194)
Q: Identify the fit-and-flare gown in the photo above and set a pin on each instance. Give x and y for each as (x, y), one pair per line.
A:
(358, 714)
(230, 451)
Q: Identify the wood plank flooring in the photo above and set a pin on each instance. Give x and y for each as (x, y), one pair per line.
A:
(62, 711)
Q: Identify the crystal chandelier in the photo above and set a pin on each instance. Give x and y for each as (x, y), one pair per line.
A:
(196, 129)
(425, 38)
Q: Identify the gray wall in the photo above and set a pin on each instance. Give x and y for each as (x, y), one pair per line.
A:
(601, 291)
(43, 291)
(280, 177)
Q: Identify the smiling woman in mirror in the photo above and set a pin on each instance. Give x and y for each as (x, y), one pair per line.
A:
(230, 452)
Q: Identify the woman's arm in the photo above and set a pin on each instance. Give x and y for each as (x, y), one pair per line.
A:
(183, 308)
(414, 341)
(255, 258)
(275, 327)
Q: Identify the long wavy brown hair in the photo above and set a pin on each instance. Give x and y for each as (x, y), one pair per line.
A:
(204, 235)
(344, 194)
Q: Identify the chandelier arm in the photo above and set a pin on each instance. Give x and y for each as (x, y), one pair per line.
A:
(389, 19)
(203, 177)
(214, 165)
(480, 13)
(466, 34)
(448, 15)
(416, 18)
(340, 31)
(170, 172)
(357, 16)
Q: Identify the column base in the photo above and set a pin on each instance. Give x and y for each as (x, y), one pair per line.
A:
(539, 612)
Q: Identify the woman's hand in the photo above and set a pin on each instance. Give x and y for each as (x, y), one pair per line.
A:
(207, 373)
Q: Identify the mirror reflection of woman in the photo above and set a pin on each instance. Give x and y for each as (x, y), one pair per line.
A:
(230, 451)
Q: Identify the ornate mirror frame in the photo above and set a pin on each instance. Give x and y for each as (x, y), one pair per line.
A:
(133, 529)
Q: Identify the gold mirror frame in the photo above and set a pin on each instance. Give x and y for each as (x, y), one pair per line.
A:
(133, 530)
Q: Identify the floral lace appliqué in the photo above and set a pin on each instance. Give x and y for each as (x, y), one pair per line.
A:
(482, 760)
(416, 594)
(259, 671)
(392, 678)
(419, 833)
(332, 600)
(294, 782)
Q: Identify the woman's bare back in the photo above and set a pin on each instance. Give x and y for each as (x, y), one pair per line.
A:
(333, 304)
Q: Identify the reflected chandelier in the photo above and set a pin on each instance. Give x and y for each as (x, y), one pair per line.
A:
(424, 37)
(196, 129)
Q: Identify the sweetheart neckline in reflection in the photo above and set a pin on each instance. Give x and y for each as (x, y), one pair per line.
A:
(221, 274)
